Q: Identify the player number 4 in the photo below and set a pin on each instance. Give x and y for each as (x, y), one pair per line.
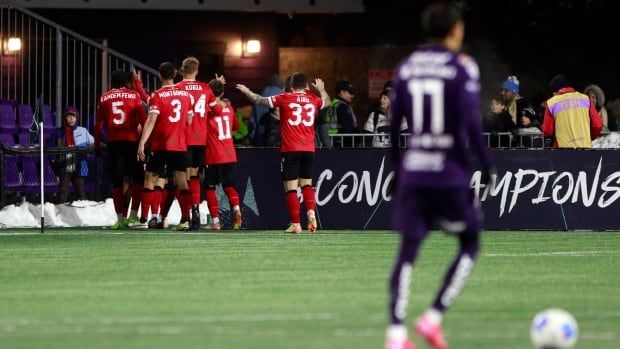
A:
(298, 113)
(201, 106)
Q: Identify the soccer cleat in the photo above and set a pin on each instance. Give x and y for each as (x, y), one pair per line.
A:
(431, 332)
(141, 224)
(195, 221)
(293, 228)
(119, 224)
(131, 219)
(155, 223)
(183, 226)
(312, 226)
(237, 221)
(399, 344)
(215, 226)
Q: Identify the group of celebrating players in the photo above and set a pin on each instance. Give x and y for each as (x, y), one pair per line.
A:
(155, 154)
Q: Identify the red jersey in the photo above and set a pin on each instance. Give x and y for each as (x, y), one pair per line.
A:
(173, 105)
(221, 123)
(298, 110)
(121, 111)
(196, 133)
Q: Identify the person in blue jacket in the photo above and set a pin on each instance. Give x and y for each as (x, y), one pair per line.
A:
(71, 167)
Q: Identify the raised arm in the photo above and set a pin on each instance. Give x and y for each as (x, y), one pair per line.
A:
(319, 85)
(254, 97)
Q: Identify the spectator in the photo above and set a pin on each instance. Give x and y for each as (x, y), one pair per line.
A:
(570, 118)
(257, 132)
(379, 122)
(497, 122)
(70, 167)
(597, 97)
(529, 130)
(513, 102)
(339, 117)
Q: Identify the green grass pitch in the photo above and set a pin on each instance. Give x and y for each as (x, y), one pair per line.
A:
(97, 289)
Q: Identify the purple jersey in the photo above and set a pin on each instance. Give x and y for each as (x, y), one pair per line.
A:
(437, 90)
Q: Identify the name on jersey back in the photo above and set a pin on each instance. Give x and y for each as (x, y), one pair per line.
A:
(118, 95)
(173, 93)
(429, 64)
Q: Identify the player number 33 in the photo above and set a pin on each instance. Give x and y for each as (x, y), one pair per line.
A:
(298, 110)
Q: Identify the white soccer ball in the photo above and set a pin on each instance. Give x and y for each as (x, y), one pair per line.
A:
(554, 329)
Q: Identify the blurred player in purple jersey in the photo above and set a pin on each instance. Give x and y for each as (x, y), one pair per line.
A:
(437, 89)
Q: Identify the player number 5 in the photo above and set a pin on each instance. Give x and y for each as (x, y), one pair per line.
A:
(119, 114)
(297, 112)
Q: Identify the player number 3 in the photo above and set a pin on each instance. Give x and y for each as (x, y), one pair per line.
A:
(176, 104)
(297, 112)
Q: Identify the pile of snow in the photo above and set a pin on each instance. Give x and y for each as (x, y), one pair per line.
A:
(612, 140)
(75, 214)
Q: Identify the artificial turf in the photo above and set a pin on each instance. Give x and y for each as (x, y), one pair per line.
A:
(99, 289)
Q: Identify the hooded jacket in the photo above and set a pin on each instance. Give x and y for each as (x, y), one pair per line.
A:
(81, 138)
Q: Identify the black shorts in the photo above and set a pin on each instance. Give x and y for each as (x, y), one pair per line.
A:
(121, 161)
(220, 173)
(196, 155)
(164, 162)
(295, 165)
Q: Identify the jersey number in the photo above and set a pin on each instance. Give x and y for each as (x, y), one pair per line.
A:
(435, 89)
(223, 128)
(176, 104)
(298, 113)
(119, 114)
(201, 106)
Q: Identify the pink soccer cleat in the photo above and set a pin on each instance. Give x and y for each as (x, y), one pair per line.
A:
(431, 332)
(392, 343)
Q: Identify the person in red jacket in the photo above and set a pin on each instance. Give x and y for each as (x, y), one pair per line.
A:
(570, 118)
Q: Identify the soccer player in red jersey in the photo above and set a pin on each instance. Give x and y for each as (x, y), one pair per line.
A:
(196, 134)
(221, 157)
(170, 110)
(298, 111)
(121, 111)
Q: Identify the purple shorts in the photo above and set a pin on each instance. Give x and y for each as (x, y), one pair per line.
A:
(418, 210)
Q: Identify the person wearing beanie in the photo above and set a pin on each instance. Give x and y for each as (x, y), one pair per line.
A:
(597, 97)
(71, 167)
(514, 103)
(571, 119)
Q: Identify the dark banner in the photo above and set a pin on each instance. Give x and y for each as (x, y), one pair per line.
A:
(535, 189)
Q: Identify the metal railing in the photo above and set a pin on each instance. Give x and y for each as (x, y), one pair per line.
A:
(492, 140)
(40, 57)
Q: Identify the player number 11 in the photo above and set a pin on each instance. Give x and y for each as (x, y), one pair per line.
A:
(223, 128)
(435, 89)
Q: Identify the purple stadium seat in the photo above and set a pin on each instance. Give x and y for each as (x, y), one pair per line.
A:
(31, 175)
(12, 178)
(49, 120)
(7, 139)
(7, 119)
(24, 139)
(10, 102)
(24, 116)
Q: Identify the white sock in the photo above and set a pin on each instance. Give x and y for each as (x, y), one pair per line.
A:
(398, 332)
(236, 208)
(434, 316)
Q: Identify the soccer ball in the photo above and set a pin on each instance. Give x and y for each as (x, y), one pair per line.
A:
(554, 329)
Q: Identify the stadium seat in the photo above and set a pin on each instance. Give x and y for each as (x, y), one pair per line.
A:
(7, 120)
(49, 118)
(23, 139)
(12, 176)
(31, 175)
(24, 117)
(7, 139)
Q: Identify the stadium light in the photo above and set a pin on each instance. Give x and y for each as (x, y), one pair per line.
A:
(251, 47)
(13, 45)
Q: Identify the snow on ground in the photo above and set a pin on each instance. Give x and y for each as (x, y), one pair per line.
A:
(75, 214)
(612, 140)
